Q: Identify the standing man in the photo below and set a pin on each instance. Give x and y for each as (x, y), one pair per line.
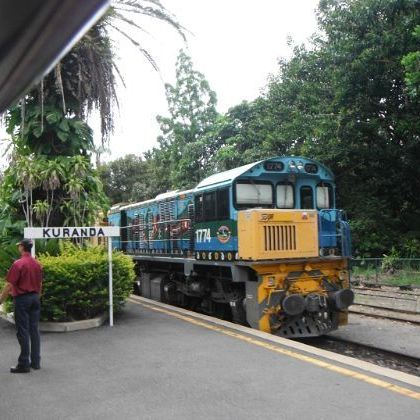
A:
(24, 283)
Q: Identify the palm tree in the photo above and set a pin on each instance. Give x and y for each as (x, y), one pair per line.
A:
(49, 124)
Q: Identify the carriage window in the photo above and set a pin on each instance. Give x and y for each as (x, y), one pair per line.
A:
(254, 194)
(209, 206)
(306, 198)
(223, 204)
(324, 196)
(285, 196)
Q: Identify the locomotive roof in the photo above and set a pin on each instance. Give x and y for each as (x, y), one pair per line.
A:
(232, 174)
(159, 197)
(227, 175)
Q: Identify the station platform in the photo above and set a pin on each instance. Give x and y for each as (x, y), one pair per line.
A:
(160, 362)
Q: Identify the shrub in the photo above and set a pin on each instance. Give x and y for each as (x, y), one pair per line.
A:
(76, 283)
(390, 262)
(8, 254)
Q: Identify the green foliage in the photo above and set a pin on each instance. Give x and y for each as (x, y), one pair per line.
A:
(411, 63)
(76, 283)
(125, 179)
(8, 254)
(390, 262)
(46, 131)
(51, 191)
(184, 152)
(242, 135)
(10, 231)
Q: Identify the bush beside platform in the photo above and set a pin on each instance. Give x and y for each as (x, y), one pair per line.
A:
(75, 286)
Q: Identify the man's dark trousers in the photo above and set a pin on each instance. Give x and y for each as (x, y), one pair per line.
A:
(27, 312)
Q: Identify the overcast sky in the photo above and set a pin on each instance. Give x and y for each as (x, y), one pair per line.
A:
(235, 43)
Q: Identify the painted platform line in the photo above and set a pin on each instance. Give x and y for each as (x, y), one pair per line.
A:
(228, 328)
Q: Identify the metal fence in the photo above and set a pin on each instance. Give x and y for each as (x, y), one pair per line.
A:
(386, 271)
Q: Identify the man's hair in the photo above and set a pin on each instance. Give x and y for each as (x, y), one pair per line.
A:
(26, 245)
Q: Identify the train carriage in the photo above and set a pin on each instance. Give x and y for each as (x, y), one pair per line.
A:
(262, 244)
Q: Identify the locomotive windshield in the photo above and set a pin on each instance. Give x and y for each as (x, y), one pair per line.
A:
(324, 197)
(285, 196)
(254, 194)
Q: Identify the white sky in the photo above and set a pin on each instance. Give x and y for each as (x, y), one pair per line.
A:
(235, 43)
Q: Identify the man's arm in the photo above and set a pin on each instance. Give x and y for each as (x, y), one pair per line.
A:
(12, 278)
(6, 292)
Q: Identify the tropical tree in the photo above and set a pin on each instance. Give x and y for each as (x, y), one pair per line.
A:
(125, 179)
(184, 153)
(50, 178)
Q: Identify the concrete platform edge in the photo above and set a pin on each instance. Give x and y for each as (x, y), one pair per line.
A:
(345, 360)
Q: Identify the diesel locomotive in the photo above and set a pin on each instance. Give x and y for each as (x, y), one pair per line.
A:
(261, 245)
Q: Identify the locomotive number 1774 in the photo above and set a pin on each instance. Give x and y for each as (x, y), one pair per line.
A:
(203, 235)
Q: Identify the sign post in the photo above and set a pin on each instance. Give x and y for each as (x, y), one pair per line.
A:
(110, 286)
(80, 232)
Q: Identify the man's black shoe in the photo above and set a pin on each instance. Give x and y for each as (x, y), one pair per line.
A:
(19, 369)
(35, 367)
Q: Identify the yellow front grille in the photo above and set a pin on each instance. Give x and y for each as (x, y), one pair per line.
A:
(280, 238)
(275, 234)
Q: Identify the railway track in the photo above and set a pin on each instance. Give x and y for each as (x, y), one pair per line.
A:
(387, 303)
(375, 355)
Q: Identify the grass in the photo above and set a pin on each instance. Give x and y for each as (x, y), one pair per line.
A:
(403, 277)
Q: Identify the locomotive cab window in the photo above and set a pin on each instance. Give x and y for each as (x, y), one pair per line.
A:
(209, 205)
(212, 205)
(306, 197)
(324, 196)
(253, 194)
(223, 204)
(285, 196)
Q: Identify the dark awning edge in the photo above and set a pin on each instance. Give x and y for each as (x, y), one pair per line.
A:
(50, 34)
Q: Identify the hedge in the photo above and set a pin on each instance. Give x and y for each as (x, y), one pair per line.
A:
(75, 285)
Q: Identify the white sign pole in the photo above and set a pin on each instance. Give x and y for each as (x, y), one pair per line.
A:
(111, 309)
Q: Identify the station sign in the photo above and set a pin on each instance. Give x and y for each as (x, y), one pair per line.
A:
(71, 232)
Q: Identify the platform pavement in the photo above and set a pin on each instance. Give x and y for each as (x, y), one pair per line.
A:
(152, 365)
(396, 336)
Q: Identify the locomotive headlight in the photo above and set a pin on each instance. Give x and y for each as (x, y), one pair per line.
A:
(292, 165)
(300, 165)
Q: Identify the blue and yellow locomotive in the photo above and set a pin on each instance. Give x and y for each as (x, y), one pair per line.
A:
(262, 244)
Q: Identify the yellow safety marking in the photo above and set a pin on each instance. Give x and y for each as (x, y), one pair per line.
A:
(338, 369)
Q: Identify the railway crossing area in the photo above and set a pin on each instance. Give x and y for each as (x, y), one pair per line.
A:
(161, 362)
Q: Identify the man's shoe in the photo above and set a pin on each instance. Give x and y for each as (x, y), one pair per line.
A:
(35, 367)
(19, 369)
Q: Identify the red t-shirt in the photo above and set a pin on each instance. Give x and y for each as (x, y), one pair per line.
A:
(25, 275)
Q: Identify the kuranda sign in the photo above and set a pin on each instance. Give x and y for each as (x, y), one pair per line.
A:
(71, 232)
